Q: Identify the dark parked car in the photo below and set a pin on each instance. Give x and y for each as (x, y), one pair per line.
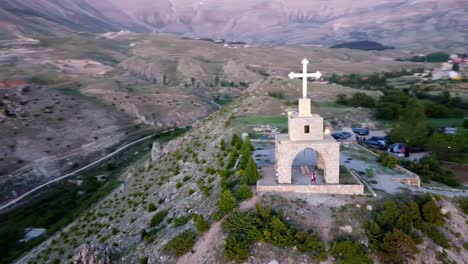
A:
(341, 135)
(377, 142)
(399, 149)
(361, 131)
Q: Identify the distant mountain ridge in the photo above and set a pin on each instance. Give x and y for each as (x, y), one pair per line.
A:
(400, 23)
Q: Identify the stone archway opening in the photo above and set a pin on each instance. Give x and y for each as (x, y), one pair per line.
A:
(304, 164)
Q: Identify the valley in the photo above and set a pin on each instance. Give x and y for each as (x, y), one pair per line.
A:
(136, 131)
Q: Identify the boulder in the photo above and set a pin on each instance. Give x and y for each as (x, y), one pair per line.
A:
(89, 254)
(347, 229)
(444, 210)
(369, 207)
(274, 261)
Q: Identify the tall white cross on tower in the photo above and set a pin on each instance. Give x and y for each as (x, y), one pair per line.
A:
(304, 76)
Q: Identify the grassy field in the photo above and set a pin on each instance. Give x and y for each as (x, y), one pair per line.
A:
(433, 122)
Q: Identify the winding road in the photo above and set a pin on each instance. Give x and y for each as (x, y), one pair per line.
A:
(24, 195)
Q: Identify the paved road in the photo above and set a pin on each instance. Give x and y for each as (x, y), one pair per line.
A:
(24, 195)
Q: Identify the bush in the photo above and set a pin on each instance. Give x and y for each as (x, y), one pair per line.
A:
(431, 213)
(144, 260)
(182, 243)
(236, 248)
(158, 218)
(244, 193)
(201, 224)
(463, 203)
(388, 160)
(151, 207)
(399, 247)
(311, 243)
(277, 94)
(181, 221)
(350, 252)
(244, 223)
(250, 176)
(227, 202)
(437, 236)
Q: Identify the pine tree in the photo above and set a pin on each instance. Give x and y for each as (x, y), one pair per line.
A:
(227, 202)
(399, 247)
(411, 129)
(250, 176)
(244, 192)
(246, 152)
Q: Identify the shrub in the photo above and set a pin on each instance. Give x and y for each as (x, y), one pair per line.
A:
(236, 248)
(277, 94)
(437, 236)
(143, 260)
(181, 221)
(182, 243)
(311, 243)
(151, 207)
(244, 193)
(388, 160)
(158, 218)
(244, 223)
(463, 203)
(200, 223)
(350, 252)
(227, 202)
(399, 247)
(431, 213)
(250, 176)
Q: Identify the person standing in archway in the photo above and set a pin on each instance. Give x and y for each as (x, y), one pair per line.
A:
(314, 177)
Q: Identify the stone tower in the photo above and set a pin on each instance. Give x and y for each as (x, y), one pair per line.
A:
(306, 130)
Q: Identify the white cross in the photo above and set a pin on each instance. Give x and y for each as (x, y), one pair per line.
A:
(304, 76)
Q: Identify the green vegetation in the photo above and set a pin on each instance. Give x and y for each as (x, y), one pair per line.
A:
(151, 207)
(463, 203)
(431, 57)
(370, 81)
(388, 160)
(201, 224)
(250, 176)
(350, 252)
(411, 128)
(277, 94)
(181, 244)
(357, 100)
(182, 220)
(244, 192)
(392, 231)
(429, 168)
(227, 202)
(158, 218)
(244, 228)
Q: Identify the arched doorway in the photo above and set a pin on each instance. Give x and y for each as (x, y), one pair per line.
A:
(304, 164)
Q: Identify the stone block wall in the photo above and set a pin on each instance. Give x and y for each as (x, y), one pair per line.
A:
(287, 150)
(318, 189)
(297, 123)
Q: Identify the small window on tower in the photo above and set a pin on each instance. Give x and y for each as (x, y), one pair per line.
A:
(306, 129)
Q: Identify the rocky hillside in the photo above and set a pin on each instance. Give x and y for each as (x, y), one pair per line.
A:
(401, 23)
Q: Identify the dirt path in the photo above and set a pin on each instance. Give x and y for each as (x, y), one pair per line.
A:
(204, 246)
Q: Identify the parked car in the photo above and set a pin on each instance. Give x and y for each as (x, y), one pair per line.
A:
(399, 149)
(361, 131)
(341, 135)
(377, 142)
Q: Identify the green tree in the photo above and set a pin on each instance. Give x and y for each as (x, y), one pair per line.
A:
(448, 147)
(361, 100)
(278, 233)
(399, 247)
(244, 192)
(431, 213)
(200, 223)
(246, 153)
(350, 252)
(412, 126)
(250, 175)
(389, 215)
(388, 111)
(236, 248)
(227, 202)
(388, 160)
(182, 243)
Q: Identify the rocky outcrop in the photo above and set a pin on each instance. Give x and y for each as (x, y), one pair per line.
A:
(89, 254)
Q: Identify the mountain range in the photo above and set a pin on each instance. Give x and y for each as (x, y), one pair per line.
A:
(399, 23)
